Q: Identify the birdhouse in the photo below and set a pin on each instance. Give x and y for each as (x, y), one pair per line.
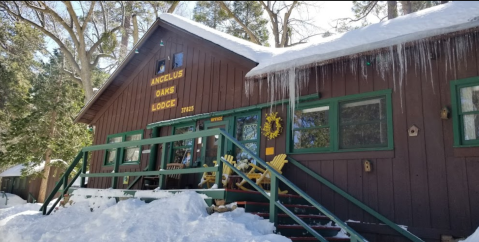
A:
(413, 130)
(445, 113)
(367, 166)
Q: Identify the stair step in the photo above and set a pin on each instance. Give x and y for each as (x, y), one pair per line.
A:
(309, 219)
(314, 239)
(262, 207)
(254, 196)
(299, 231)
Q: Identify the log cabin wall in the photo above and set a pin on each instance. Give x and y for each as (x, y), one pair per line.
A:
(424, 183)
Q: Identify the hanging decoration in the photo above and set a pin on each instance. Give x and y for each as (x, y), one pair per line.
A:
(272, 127)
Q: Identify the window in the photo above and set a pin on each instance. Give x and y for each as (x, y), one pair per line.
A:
(127, 155)
(161, 67)
(183, 149)
(247, 130)
(465, 104)
(349, 123)
(177, 60)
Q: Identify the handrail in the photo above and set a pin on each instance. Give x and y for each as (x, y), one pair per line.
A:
(358, 203)
(354, 236)
(4, 195)
(136, 179)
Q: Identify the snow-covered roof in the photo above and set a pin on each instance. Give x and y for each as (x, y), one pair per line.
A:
(441, 19)
(17, 170)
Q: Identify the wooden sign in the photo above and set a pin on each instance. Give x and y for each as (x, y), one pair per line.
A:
(165, 91)
(167, 77)
(163, 105)
(217, 119)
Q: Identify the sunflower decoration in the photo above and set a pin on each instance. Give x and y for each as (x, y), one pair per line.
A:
(272, 127)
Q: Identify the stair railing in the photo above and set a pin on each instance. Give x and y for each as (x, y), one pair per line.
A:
(162, 173)
(355, 201)
(4, 195)
(30, 196)
(275, 177)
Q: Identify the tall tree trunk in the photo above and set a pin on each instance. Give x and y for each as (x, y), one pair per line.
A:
(392, 9)
(126, 29)
(173, 6)
(135, 29)
(406, 7)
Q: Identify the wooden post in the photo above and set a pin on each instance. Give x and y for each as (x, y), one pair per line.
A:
(83, 168)
(153, 150)
(219, 153)
(114, 180)
(273, 197)
(164, 162)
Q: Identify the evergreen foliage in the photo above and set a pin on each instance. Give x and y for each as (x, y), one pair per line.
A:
(251, 14)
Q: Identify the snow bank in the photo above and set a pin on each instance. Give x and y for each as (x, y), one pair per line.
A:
(181, 217)
(13, 200)
(473, 238)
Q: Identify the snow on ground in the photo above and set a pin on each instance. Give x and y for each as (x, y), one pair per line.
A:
(473, 238)
(13, 200)
(181, 217)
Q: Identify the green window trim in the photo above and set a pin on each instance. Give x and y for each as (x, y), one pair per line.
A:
(457, 113)
(120, 152)
(333, 124)
(191, 147)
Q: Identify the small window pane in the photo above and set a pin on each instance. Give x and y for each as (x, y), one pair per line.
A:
(132, 154)
(470, 99)
(133, 137)
(363, 135)
(161, 67)
(311, 138)
(111, 156)
(247, 128)
(363, 111)
(177, 60)
(115, 140)
(471, 126)
(184, 130)
(311, 117)
(241, 155)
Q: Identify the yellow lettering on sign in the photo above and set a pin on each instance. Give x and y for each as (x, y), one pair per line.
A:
(188, 109)
(163, 105)
(165, 91)
(216, 119)
(167, 77)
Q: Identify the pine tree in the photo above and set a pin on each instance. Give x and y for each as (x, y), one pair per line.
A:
(210, 14)
(251, 14)
(47, 131)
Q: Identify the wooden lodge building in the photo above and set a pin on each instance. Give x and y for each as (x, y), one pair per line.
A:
(388, 113)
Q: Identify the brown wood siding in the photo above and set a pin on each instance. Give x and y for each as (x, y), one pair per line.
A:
(424, 183)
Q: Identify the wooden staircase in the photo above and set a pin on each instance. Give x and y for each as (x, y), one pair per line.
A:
(255, 203)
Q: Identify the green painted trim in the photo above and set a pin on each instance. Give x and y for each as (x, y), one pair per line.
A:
(355, 201)
(136, 179)
(273, 197)
(191, 147)
(153, 173)
(457, 114)
(258, 130)
(228, 122)
(334, 125)
(226, 112)
(153, 150)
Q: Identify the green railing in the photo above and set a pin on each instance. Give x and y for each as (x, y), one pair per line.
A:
(223, 137)
(355, 201)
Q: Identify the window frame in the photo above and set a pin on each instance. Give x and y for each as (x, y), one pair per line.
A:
(157, 66)
(120, 151)
(192, 146)
(457, 114)
(333, 123)
(173, 60)
(258, 130)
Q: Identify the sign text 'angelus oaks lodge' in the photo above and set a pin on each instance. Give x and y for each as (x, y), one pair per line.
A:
(167, 77)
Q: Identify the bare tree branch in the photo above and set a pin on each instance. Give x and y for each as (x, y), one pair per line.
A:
(173, 7)
(89, 15)
(72, 76)
(251, 35)
(101, 55)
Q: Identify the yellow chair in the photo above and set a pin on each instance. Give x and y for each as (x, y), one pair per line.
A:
(210, 178)
(264, 177)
